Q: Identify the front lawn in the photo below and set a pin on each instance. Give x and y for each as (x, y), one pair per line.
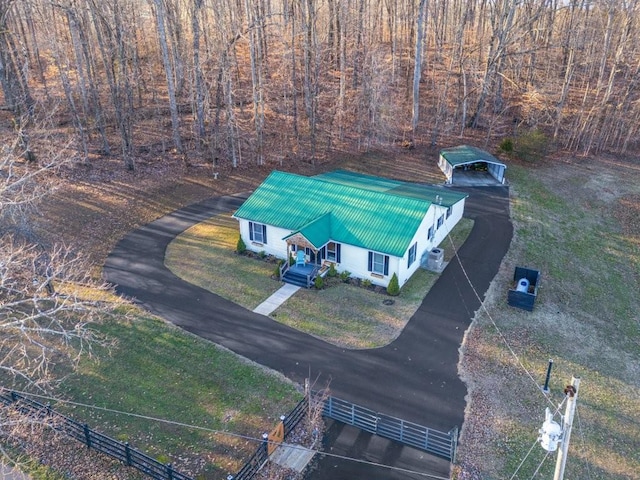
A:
(205, 256)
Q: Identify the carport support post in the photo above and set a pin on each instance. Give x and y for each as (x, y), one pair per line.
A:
(572, 392)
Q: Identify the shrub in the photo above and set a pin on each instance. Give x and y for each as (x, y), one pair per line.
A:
(318, 282)
(241, 247)
(344, 276)
(276, 271)
(393, 288)
(366, 283)
(332, 271)
(262, 254)
(531, 146)
(506, 145)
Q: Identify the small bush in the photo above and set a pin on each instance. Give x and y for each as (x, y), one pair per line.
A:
(531, 146)
(241, 247)
(332, 271)
(393, 288)
(366, 283)
(344, 276)
(506, 145)
(318, 282)
(292, 260)
(276, 271)
(262, 254)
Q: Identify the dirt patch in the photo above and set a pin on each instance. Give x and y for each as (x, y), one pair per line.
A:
(627, 211)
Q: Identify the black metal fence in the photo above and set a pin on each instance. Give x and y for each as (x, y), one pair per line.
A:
(261, 455)
(433, 441)
(438, 443)
(102, 443)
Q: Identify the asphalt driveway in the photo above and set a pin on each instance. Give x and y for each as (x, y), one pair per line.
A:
(414, 378)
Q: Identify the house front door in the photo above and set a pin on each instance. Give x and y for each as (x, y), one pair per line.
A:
(311, 254)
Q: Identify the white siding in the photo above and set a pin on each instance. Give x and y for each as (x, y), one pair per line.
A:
(274, 245)
(356, 260)
(446, 168)
(420, 238)
(497, 171)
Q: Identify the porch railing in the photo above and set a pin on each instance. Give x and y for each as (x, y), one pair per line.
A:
(311, 277)
(283, 269)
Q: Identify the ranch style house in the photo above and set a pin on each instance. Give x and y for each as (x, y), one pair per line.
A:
(369, 226)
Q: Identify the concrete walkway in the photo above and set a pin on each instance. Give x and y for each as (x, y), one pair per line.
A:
(8, 473)
(292, 456)
(277, 299)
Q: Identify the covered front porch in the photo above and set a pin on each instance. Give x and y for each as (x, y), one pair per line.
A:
(305, 262)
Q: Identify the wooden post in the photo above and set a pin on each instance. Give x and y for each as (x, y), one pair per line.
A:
(87, 435)
(127, 453)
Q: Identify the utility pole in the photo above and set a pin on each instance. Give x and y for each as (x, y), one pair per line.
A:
(572, 393)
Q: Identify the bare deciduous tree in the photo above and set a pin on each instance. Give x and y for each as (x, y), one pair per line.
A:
(169, 68)
(48, 299)
(47, 302)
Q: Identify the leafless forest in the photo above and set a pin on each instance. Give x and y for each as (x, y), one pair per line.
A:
(247, 82)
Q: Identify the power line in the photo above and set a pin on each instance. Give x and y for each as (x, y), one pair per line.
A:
(523, 460)
(230, 434)
(511, 350)
(540, 466)
(486, 311)
(582, 440)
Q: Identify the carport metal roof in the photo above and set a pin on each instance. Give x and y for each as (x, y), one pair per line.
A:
(466, 154)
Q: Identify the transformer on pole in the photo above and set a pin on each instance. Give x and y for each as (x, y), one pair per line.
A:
(552, 434)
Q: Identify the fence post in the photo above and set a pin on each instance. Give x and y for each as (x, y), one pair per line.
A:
(169, 472)
(426, 439)
(127, 453)
(454, 443)
(87, 434)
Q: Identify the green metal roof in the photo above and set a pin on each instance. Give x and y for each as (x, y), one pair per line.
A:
(431, 193)
(317, 231)
(359, 180)
(464, 154)
(361, 217)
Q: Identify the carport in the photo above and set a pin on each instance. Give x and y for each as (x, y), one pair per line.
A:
(467, 165)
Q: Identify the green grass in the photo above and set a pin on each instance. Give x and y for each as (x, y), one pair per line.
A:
(354, 317)
(204, 255)
(580, 255)
(342, 314)
(160, 371)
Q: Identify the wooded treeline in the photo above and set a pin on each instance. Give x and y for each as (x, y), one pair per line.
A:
(249, 81)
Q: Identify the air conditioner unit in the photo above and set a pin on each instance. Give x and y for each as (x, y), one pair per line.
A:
(435, 259)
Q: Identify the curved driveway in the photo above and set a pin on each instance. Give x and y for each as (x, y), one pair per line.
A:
(414, 378)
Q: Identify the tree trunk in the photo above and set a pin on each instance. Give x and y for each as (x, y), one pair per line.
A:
(169, 73)
(253, 22)
(417, 64)
(17, 95)
(199, 78)
(310, 71)
(114, 46)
